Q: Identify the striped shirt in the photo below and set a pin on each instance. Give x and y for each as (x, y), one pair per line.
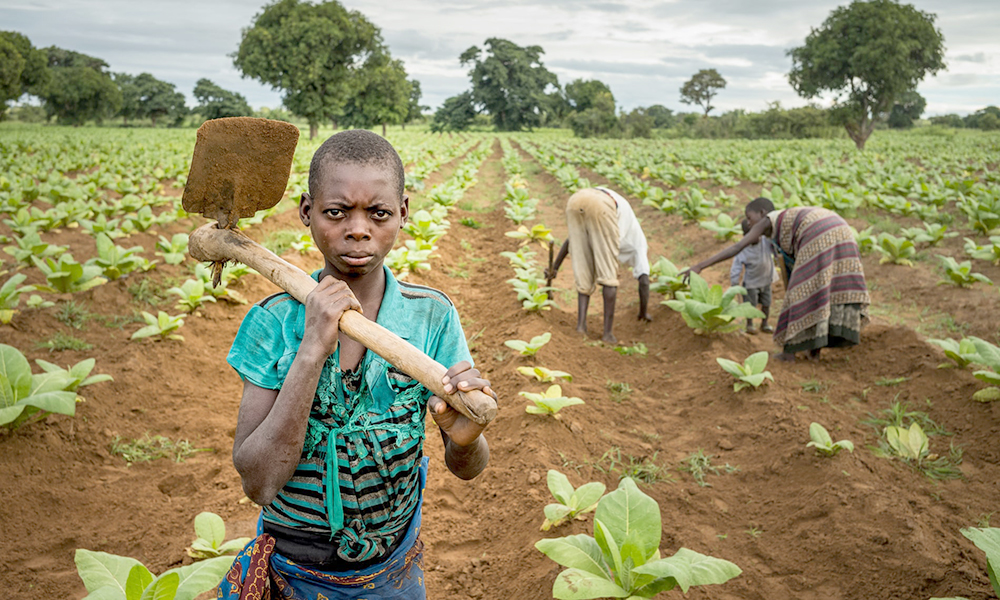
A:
(357, 480)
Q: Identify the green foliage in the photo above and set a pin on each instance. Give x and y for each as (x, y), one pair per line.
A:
(66, 275)
(638, 349)
(173, 250)
(111, 577)
(30, 245)
(380, 94)
(987, 355)
(962, 352)
(824, 444)
(701, 88)
(710, 310)
(146, 97)
(990, 252)
(211, 541)
(620, 390)
(191, 295)
(570, 502)
(895, 250)
(425, 228)
(24, 395)
(115, 261)
(10, 296)
(60, 341)
(531, 289)
(509, 82)
(544, 375)
(77, 376)
(313, 52)
(931, 234)
(693, 205)
(987, 539)
(455, 114)
(865, 62)
(665, 278)
(912, 446)
(538, 233)
(906, 109)
(699, 465)
(622, 560)
(529, 348)
(749, 374)
(162, 325)
(549, 402)
(724, 227)
(408, 258)
(80, 89)
(23, 68)
(960, 273)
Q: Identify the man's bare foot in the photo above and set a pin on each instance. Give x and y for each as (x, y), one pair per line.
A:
(646, 317)
(785, 356)
(582, 329)
(609, 339)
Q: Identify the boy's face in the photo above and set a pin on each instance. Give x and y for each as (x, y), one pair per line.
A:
(754, 216)
(354, 218)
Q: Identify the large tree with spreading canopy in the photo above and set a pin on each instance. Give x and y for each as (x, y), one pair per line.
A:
(509, 82)
(867, 54)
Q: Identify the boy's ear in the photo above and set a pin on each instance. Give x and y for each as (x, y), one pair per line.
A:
(305, 207)
(404, 210)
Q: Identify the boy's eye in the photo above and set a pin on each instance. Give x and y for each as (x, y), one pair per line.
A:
(382, 214)
(333, 212)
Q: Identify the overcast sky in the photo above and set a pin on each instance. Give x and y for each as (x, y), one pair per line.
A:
(643, 50)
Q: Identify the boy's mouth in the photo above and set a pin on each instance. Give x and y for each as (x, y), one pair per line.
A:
(356, 260)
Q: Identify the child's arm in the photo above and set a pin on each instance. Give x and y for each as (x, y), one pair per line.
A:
(466, 451)
(271, 426)
(752, 236)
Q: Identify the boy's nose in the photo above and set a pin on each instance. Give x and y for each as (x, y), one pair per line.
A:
(357, 228)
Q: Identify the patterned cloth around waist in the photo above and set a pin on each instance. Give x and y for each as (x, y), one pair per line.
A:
(827, 269)
(258, 571)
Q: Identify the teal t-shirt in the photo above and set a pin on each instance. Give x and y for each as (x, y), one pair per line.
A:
(357, 479)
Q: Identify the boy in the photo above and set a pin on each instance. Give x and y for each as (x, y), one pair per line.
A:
(758, 262)
(603, 231)
(329, 439)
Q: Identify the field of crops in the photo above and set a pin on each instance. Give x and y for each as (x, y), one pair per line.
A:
(94, 267)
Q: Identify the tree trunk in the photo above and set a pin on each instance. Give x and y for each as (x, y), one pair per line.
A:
(334, 123)
(313, 130)
(403, 125)
(153, 117)
(383, 129)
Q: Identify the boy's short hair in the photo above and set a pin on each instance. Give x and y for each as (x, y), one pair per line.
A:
(359, 147)
(761, 205)
(745, 224)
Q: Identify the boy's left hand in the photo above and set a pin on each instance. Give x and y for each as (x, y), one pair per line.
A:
(459, 428)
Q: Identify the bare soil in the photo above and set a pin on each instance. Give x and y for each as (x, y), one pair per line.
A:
(856, 526)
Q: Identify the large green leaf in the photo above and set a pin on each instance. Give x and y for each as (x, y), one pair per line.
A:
(138, 580)
(587, 495)
(555, 512)
(989, 354)
(575, 584)
(100, 569)
(756, 362)
(699, 287)
(15, 368)
(63, 403)
(576, 552)
(627, 509)
(163, 587)
(11, 413)
(689, 568)
(987, 539)
(50, 382)
(211, 528)
(201, 576)
(559, 485)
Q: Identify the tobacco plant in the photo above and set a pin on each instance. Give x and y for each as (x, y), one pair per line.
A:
(824, 444)
(66, 275)
(529, 348)
(544, 375)
(211, 541)
(115, 261)
(25, 395)
(162, 324)
(570, 502)
(960, 273)
(962, 352)
(665, 278)
(931, 234)
(990, 253)
(191, 295)
(988, 355)
(110, 577)
(77, 376)
(724, 227)
(549, 402)
(710, 310)
(895, 250)
(10, 296)
(749, 374)
(30, 246)
(623, 560)
(173, 250)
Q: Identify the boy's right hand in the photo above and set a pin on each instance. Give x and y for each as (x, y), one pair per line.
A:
(324, 307)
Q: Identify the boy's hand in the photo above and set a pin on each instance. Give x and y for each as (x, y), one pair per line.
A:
(324, 307)
(460, 429)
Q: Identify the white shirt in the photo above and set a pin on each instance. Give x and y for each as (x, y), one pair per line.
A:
(632, 247)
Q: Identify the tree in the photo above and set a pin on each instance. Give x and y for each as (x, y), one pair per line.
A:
(509, 82)
(599, 120)
(146, 96)
(456, 114)
(663, 117)
(867, 54)
(381, 95)
(414, 109)
(987, 119)
(907, 109)
(950, 120)
(583, 94)
(312, 52)
(701, 88)
(638, 123)
(23, 68)
(80, 88)
(216, 103)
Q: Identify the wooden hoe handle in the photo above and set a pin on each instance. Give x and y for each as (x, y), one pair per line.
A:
(210, 243)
